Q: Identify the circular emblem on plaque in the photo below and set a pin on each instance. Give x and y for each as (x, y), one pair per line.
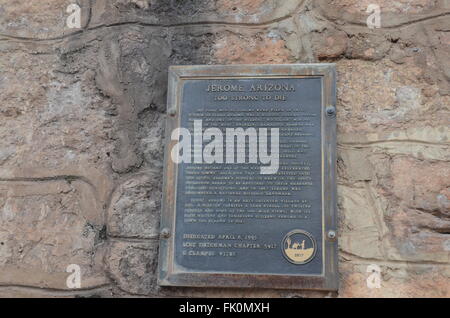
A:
(299, 247)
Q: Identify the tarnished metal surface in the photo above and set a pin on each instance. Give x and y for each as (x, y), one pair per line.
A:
(300, 254)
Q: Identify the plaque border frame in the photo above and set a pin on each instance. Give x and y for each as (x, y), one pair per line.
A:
(168, 275)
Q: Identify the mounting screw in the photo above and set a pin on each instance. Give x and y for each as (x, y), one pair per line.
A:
(331, 235)
(331, 111)
(172, 112)
(165, 233)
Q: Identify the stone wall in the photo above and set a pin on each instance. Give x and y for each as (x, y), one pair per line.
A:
(82, 122)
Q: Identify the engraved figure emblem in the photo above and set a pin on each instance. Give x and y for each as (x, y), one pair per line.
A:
(299, 247)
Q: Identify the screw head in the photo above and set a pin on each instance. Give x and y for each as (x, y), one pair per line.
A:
(165, 233)
(331, 234)
(172, 112)
(331, 110)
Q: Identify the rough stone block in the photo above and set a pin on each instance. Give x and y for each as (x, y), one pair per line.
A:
(108, 12)
(251, 49)
(38, 19)
(396, 280)
(135, 207)
(45, 227)
(420, 184)
(360, 229)
(133, 266)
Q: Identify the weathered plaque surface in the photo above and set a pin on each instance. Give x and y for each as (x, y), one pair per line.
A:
(258, 223)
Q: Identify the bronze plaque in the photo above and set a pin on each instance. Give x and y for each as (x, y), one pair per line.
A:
(249, 189)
